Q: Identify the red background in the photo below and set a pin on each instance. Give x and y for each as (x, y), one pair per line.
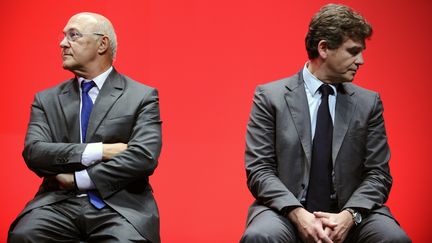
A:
(206, 57)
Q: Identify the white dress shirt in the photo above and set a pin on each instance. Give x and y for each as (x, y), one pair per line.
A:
(93, 151)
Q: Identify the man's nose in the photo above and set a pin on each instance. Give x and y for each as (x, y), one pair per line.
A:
(64, 42)
(359, 60)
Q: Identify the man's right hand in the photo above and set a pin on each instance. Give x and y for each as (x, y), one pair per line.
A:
(310, 228)
(112, 149)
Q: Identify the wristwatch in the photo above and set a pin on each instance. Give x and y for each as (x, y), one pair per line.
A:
(357, 218)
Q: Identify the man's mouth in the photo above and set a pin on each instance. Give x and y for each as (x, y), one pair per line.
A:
(66, 55)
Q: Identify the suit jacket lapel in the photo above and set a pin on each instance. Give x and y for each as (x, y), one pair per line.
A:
(108, 95)
(344, 111)
(298, 106)
(70, 104)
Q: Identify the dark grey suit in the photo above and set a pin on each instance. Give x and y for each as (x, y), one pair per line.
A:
(124, 111)
(279, 145)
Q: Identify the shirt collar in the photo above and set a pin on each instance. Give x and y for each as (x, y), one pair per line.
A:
(312, 83)
(99, 80)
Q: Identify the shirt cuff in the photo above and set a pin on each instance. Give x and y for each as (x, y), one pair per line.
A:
(83, 181)
(92, 154)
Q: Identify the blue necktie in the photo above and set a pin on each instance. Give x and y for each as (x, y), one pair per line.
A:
(320, 180)
(87, 106)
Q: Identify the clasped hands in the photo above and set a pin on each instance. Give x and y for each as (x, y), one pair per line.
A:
(66, 181)
(321, 226)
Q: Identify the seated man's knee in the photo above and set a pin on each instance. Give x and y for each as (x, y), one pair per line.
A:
(267, 235)
(254, 236)
(382, 228)
(397, 237)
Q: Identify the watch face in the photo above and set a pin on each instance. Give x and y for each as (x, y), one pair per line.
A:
(357, 218)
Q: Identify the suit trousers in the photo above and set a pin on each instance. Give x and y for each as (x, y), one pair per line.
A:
(270, 227)
(73, 220)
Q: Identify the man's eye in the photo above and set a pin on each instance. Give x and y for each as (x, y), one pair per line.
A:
(354, 52)
(74, 35)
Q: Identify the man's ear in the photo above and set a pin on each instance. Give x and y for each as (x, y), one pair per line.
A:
(103, 45)
(322, 49)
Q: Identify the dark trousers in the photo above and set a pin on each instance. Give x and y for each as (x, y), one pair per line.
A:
(73, 220)
(269, 226)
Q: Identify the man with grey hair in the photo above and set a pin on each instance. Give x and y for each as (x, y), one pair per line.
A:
(94, 140)
(316, 146)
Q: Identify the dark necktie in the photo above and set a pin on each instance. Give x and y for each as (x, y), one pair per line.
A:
(87, 106)
(320, 180)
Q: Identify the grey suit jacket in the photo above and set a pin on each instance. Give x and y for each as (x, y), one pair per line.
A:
(279, 148)
(124, 111)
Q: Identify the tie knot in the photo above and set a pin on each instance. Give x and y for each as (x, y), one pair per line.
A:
(86, 86)
(326, 90)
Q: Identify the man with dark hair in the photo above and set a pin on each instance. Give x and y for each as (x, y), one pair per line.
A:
(316, 146)
(94, 139)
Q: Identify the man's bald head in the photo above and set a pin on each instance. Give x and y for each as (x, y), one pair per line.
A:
(99, 24)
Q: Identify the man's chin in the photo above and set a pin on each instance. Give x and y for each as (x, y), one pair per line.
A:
(67, 66)
(347, 79)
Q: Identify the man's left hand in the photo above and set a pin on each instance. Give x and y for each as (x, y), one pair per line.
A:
(343, 221)
(66, 181)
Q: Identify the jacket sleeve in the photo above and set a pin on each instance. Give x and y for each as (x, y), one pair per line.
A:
(260, 156)
(42, 154)
(375, 187)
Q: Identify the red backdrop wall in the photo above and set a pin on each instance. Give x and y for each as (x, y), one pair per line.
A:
(206, 57)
